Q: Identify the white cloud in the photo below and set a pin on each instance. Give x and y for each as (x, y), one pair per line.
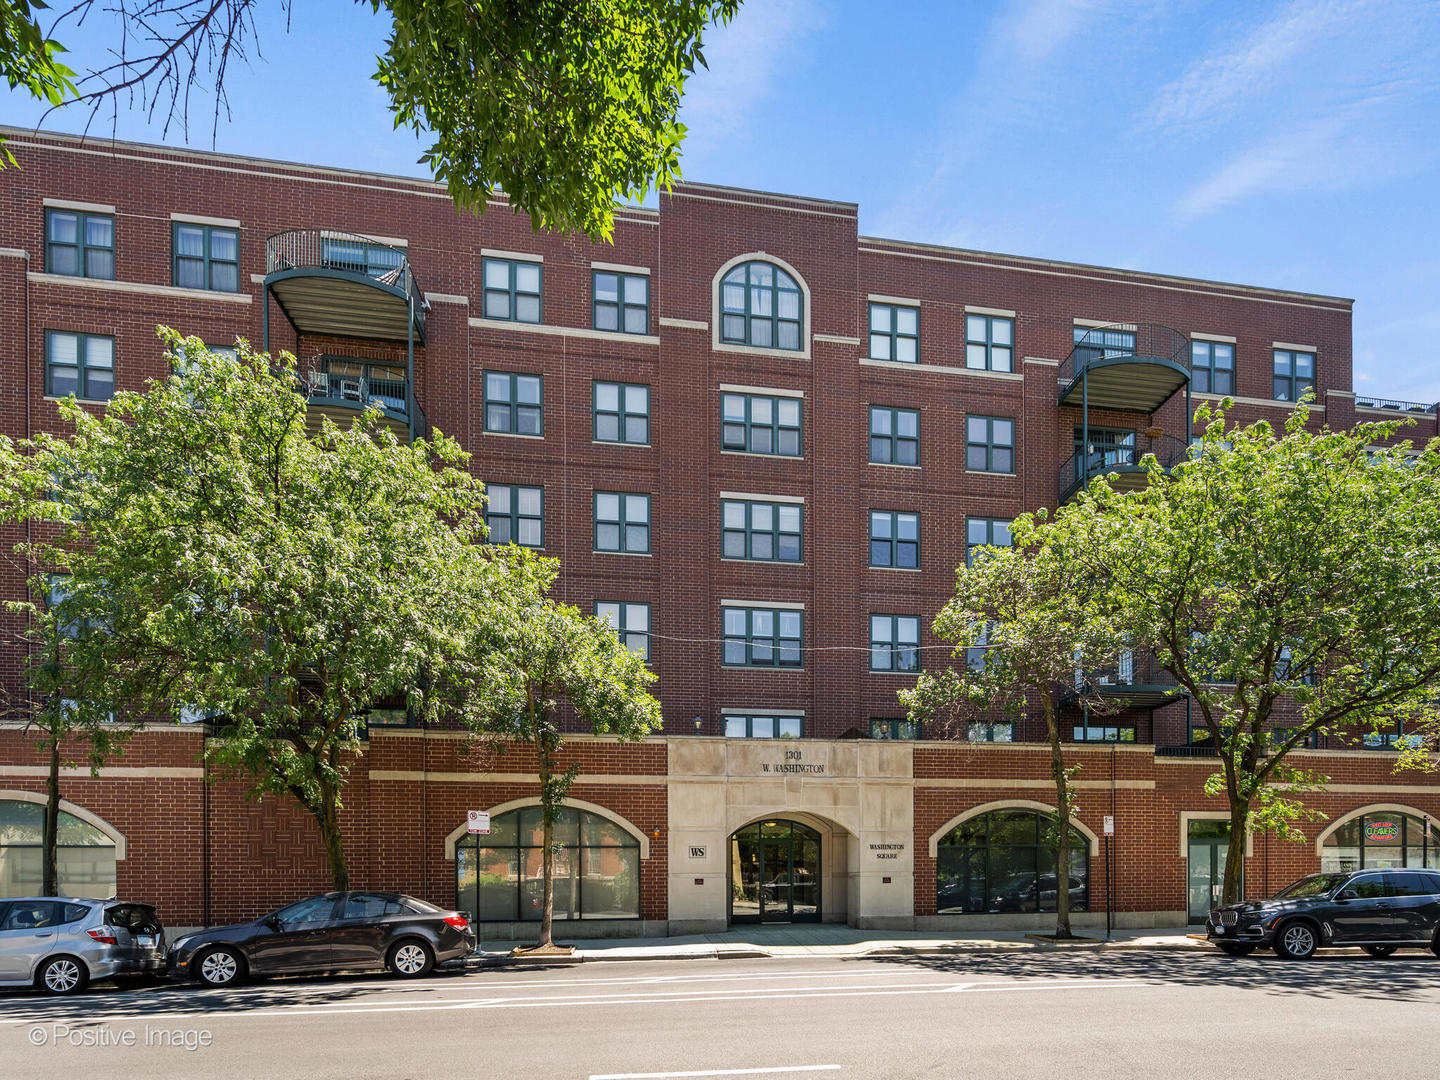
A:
(744, 60)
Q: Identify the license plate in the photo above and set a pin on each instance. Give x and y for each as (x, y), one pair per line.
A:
(147, 940)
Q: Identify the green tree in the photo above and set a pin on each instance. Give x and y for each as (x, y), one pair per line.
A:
(1027, 632)
(566, 106)
(230, 561)
(1288, 581)
(523, 668)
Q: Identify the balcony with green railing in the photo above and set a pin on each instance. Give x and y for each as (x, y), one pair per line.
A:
(1129, 367)
(344, 285)
(1127, 465)
(341, 387)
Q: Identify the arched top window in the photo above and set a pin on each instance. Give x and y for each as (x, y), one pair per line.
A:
(596, 868)
(1381, 838)
(762, 306)
(85, 853)
(1004, 861)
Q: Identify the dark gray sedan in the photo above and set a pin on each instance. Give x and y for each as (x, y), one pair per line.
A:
(340, 931)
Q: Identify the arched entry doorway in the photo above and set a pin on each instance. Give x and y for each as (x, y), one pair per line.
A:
(775, 873)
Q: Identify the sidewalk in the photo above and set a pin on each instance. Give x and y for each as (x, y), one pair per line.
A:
(820, 940)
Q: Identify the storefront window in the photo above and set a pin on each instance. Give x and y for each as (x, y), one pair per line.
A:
(596, 868)
(1381, 839)
(86, 856)
(1003, 861)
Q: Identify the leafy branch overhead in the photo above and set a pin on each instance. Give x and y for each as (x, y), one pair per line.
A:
(565, 105)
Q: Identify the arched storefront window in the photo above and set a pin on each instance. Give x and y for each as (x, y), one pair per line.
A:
(84, 854)
(1000, 861)
(1380, 838)
(762, 306)
(597, 868)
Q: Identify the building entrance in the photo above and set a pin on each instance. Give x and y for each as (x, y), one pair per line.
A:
(775, 873)
(1209, 844)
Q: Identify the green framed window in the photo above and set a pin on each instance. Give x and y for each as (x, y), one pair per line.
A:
(763, 726)
(1294, 374)
(622, 522)
(1383, 839)
(622, 413)
(206, 257)
(894, 436)
(515, 514)
(989, 444)
(761, 306)
(763, 637)
(80, 244)
(360, 257)
(893, 728)
(1395, 738)
(894, 333)
(894, 643)
(1105, 733)
(758, 424)
(989, 343)
(760, 531)
(997, 731)
(978, 652)
(621, 302)
(513, 403)
(1101, 343)
(983, 532)
(1002, 862)
(511, 290)
(894, 539)
(595, 868)
(1212, 367)
(631, 622)
(79, 364)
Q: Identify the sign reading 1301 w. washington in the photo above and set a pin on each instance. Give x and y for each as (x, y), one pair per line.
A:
(477, 821)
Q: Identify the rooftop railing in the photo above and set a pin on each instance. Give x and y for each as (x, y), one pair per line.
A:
(1395, 404)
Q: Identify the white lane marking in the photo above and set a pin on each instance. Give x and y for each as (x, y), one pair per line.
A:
(694, 997)
(714, 1072)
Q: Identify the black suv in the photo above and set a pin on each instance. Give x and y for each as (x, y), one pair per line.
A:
(1378, 910)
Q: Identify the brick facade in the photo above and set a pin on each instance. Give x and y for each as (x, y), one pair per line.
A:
(411, 790)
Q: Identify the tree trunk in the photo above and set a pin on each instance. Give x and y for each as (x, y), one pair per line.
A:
(50, 874)
(547, 855)
(1232, 891)
(328, 816)
(1062, 823)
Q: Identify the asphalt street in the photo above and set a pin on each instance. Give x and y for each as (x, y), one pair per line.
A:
(987, 1014)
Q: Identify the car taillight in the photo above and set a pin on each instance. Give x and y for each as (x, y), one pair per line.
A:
(460, 922)
(102, 937)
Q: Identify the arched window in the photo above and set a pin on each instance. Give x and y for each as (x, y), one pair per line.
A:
(762, 306)
(1002, 861)
(597, 868)
(1380, 838)
(85, 855)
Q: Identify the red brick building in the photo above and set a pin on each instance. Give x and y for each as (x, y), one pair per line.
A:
(760, 443)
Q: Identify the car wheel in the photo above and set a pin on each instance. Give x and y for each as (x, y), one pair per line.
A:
(1234, 948)
(1380, 951)
(1296, 941)
(62, 975)
(218, 967)
(410, 959)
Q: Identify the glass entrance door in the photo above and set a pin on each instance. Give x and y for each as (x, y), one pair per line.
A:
(1209, 848)
(775, 873)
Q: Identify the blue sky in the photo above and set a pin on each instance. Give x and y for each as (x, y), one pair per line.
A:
(1293, 144)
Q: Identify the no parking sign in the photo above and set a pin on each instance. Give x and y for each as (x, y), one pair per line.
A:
(477, 821)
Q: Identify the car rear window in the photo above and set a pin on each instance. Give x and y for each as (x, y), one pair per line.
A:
(73, 912)
(137, 918)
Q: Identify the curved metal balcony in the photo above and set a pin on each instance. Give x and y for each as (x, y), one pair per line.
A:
(340, 387)
(344, 285)
(1125, 465)
(1135, 678)
(1129, 367)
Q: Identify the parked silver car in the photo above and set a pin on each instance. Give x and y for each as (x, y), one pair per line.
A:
(60, 945)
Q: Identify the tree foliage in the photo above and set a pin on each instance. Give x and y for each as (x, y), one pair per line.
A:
(566, 106)
(1028, 631)
(522, 670)
(1290, 582)
(277, 580)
